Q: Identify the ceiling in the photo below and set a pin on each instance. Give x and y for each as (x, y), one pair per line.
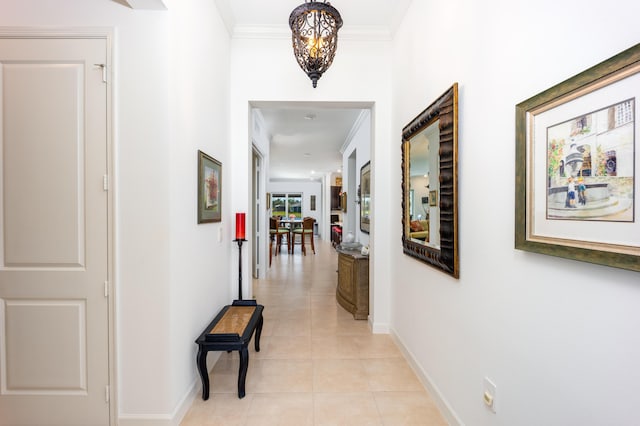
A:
(306, 139)
(359, 16)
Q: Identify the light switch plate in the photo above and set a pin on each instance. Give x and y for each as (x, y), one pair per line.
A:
(489, 394)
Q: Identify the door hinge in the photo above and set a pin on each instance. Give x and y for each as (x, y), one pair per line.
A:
(106, 393)
(106, 289)
(105, 182)
(104, 71)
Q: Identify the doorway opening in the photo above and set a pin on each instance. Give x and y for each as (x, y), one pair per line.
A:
(305, 147)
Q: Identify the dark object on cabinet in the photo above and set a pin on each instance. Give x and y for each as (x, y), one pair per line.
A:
(335, 197)
(352, 292)
(336, 234)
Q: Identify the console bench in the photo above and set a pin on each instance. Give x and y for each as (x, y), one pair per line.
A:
(230, 330)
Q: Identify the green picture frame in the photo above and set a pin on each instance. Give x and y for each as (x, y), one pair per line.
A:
(584, 103)
(209, 189)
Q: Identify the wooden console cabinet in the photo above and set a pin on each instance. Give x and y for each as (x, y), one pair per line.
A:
(352, 292)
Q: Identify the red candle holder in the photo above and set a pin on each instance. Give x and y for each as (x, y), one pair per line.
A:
(240, 226)
(240, 237)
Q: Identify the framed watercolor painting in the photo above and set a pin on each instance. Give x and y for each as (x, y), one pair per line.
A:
(577, 161)
(209, 189)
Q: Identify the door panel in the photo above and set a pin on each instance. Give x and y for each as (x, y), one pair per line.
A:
(46, 226)
(54, 323)
(62, 330)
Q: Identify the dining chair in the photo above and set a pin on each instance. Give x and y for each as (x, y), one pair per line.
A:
(276, 232)
(306, 230)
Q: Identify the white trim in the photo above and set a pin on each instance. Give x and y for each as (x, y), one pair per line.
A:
(144, 4)
(176, 417)
(263, 32)
(378, 328)
(111, 223)
(146, 420)
(445, 408)
(173, 419)
(354, 129)
(59, 32)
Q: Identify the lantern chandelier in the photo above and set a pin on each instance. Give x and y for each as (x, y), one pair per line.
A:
(314, 33)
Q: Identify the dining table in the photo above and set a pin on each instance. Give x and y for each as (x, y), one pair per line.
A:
(291, 223)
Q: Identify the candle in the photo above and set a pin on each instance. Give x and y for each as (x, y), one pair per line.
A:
(240, 226)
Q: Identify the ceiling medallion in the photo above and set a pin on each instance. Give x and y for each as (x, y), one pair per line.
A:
(314, 33)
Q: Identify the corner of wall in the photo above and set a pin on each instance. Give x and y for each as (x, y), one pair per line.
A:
(445, 408)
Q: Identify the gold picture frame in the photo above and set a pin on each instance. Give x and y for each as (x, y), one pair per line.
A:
(430, 162)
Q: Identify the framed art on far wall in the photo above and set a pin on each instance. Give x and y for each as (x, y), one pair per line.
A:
(209, 189)
(577, 159)
(433, 198)
(365, 197)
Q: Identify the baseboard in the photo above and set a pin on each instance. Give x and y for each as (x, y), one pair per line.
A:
(145, 420)
(179, 412)
(187, 400)
(172, 419)
(378, 328)
(447, 411)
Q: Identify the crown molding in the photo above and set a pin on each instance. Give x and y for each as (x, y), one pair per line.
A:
(354, 129)
(143, 4)
(283, 32)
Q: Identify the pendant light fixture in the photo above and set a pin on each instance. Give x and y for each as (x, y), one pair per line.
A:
(314, 33)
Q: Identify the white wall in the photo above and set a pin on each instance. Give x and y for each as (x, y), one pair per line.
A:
(346, 82)
(170, 91)
(558, 337)
(199, 254)
(360, 147)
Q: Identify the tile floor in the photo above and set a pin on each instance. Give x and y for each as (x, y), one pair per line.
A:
(317, 365)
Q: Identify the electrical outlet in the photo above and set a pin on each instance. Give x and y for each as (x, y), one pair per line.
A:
(489, 394)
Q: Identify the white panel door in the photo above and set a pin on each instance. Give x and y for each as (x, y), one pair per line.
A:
(54, 324)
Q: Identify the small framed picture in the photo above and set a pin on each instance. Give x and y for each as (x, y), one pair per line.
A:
(365, 197)
(209, 189)
(433, 198)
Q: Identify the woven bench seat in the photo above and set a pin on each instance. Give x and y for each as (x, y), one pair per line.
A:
(230, 330)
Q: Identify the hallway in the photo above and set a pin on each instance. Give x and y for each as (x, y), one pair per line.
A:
(317, 365)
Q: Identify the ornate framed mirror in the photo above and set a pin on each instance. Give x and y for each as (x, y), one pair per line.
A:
(430, 184)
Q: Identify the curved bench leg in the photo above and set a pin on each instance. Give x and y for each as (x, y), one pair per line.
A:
(258, 333)
(201, 360)
(242, 374)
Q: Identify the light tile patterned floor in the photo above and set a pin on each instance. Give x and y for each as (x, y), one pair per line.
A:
(317, 365)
